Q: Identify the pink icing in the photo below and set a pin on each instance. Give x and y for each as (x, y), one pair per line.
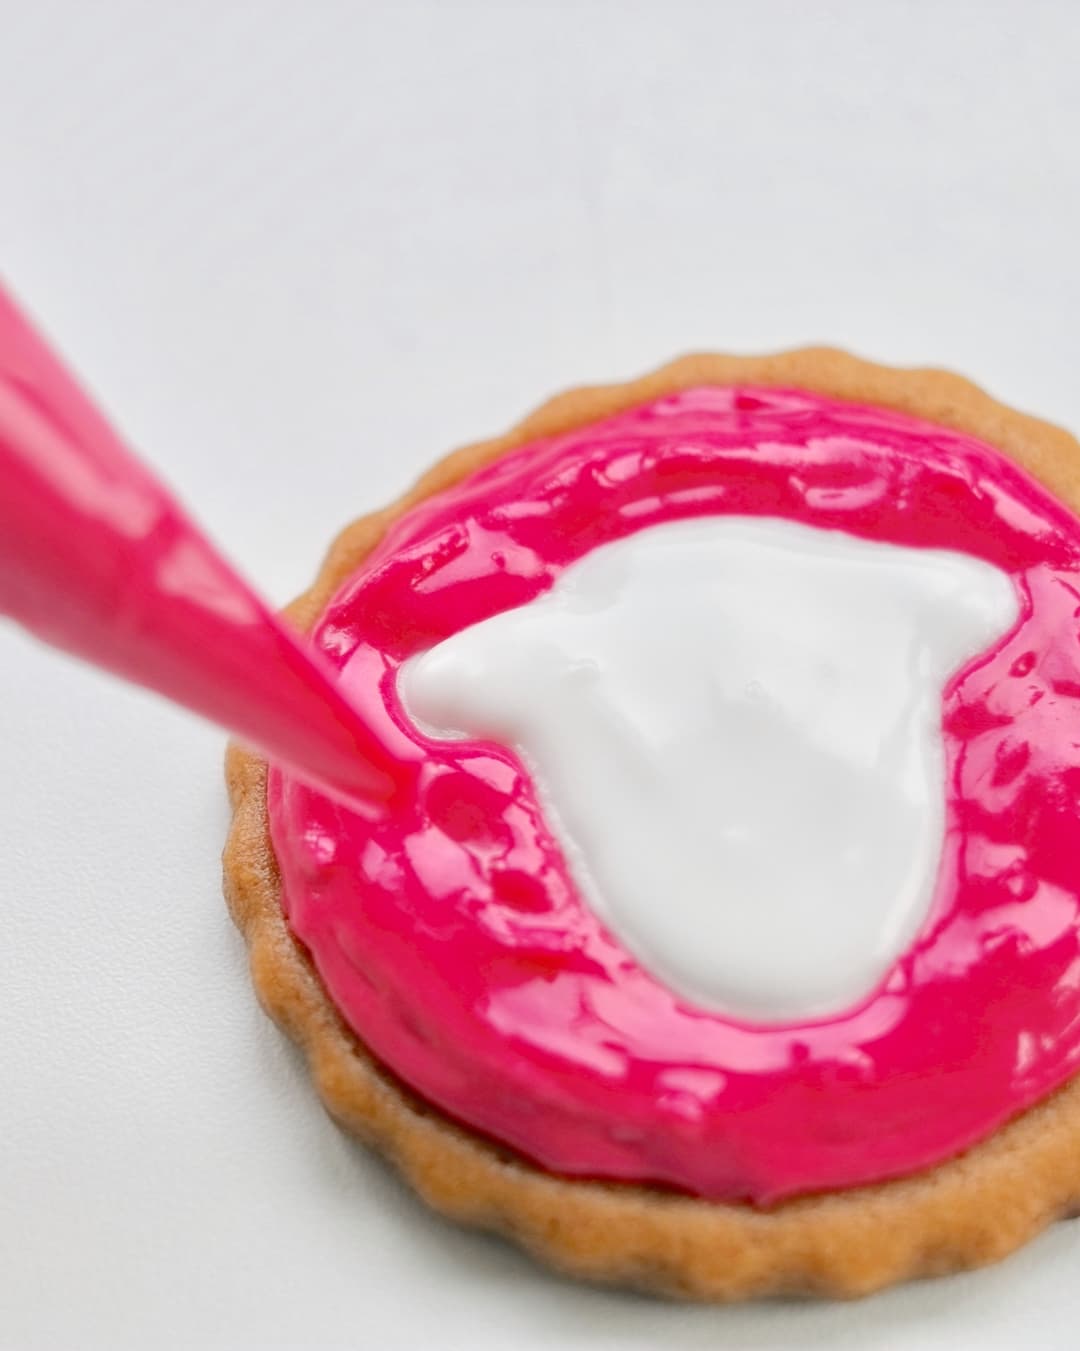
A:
(451, 936)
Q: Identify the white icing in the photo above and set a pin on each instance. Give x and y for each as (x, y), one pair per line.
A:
(733, 725)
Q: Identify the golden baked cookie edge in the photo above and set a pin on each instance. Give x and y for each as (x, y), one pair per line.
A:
(964, 1213)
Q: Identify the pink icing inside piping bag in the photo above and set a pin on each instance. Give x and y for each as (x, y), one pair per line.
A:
(97, 558)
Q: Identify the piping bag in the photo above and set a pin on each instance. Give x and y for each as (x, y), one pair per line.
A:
(97, 558)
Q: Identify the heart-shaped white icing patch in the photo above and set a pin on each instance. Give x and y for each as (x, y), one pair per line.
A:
(734, 727)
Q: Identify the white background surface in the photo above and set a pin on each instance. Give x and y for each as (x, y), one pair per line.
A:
(299, 249)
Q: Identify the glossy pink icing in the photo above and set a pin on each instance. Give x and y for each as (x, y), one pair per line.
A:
(452, 939)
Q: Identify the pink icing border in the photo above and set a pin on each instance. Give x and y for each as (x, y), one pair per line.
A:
(452, 939)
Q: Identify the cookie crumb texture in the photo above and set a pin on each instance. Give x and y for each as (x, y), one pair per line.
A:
(965, 1213)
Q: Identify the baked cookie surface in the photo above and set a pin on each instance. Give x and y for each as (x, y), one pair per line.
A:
(969, 1210)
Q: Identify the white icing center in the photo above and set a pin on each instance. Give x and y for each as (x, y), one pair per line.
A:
(734, 727)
